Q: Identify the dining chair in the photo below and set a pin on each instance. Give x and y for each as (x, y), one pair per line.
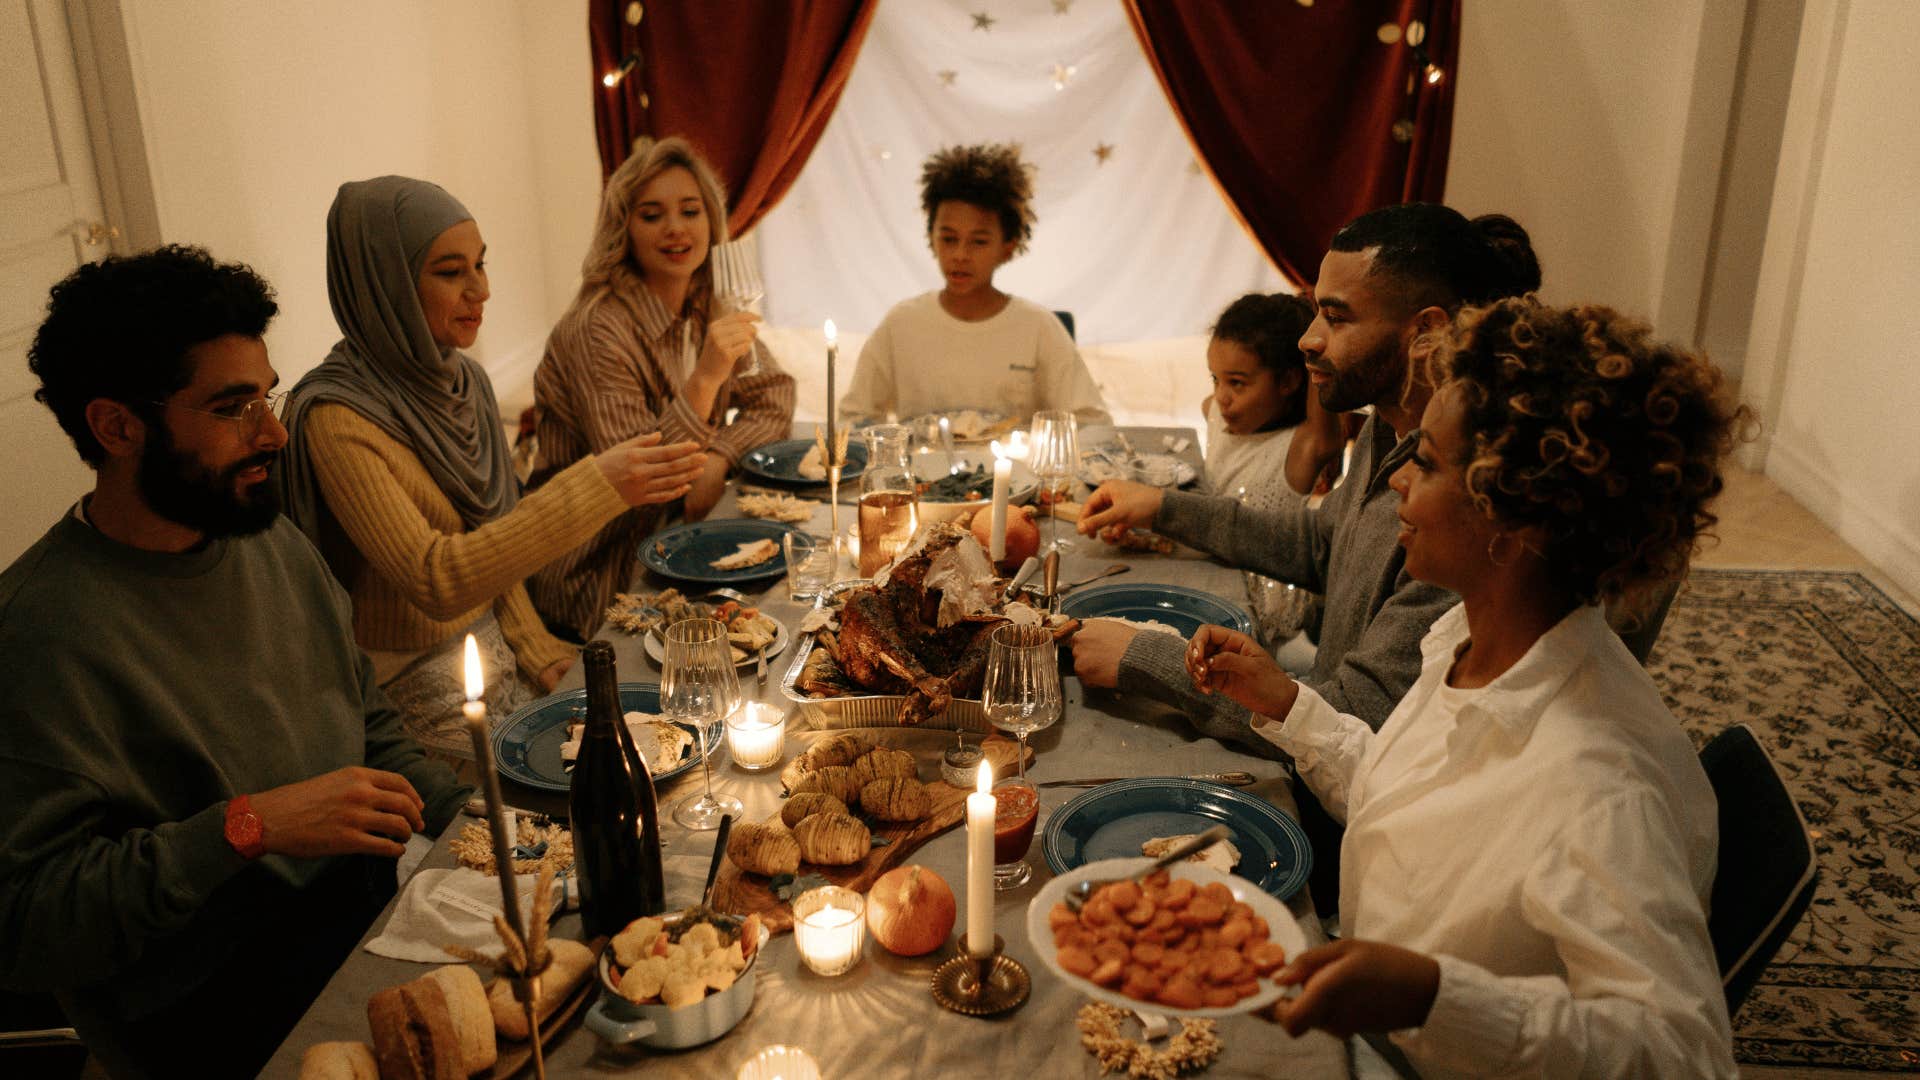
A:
(1767, 867)
(1066, 320)
(1639, 626)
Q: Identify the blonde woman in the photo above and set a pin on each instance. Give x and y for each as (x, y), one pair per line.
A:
(643, 349)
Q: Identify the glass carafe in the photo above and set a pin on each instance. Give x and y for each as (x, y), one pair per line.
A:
(889, 497)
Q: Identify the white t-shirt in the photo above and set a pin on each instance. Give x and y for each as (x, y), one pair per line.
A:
(1256, 462)
(922, 360)
(1550, 839)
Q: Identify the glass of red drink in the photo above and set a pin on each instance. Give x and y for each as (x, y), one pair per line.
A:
(1016, 809)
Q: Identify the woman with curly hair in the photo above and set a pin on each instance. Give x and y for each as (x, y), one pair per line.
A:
(969, 345)
(1530, 837)
(645, 348)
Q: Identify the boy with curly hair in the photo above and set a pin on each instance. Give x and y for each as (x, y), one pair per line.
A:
(969, 345)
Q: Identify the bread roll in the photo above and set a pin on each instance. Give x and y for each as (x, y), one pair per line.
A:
(472, 1016)
(763, 847)
(896, 798)
(806, 804)
(571, 962)
(833, 839)
(413, 1033)
(339, 1061)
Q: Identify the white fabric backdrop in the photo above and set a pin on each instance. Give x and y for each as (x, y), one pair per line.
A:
(1142, 247)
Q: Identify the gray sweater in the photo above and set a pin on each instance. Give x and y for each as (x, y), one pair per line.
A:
(141, 691)
(1347, 549)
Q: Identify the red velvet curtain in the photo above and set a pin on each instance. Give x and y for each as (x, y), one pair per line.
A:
(1309, 116)
(751, 83)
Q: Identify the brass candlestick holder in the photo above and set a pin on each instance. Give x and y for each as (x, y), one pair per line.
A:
(983, 985)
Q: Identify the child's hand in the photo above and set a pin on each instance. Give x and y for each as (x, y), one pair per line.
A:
(1120, 503)
(729, 338)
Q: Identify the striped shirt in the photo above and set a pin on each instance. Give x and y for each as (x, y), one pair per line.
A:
(613, 369)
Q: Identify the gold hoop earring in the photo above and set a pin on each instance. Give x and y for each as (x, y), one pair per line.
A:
(1495, 559)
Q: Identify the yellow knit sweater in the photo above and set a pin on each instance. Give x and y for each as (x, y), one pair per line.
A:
(417, 577)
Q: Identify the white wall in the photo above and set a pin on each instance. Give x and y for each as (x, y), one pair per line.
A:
(255, 113)
(1573, 117)
(1836, 333)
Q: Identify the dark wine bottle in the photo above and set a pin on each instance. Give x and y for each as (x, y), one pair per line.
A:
(616, 823)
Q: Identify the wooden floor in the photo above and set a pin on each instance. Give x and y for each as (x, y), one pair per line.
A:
(1762, 526)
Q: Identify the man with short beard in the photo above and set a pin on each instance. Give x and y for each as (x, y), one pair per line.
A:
(1390, 284)
(202, 791)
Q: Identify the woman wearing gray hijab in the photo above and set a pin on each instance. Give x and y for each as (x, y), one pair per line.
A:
(398, 466)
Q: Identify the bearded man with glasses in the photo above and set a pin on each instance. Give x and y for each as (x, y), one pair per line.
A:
(202, 790)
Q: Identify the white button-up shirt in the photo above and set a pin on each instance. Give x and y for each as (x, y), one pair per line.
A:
(1550, 839)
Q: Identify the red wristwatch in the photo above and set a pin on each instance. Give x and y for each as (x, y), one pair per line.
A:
(244, 830)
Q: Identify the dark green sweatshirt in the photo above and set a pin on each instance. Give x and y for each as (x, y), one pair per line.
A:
(139, 692)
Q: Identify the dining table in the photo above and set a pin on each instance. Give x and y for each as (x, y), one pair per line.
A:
(880, 1019)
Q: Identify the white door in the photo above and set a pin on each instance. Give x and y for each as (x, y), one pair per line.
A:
(49, 211)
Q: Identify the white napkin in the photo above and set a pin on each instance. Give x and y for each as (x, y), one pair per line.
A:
(456, 906)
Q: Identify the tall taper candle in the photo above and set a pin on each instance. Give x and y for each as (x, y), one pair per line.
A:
(980, 810)
(997, 520)
(475, 712)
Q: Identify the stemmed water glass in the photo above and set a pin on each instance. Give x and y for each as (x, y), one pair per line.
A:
(699, 687)
(1021, 691)
(1053, 453)
(736, 275)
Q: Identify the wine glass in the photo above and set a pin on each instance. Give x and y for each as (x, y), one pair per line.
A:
(736, 275)
(699, 687)
(1053, 453)
(1021, 691)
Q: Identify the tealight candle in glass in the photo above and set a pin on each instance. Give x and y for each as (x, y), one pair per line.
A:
(779, 1063)
(757, 735)
(830, 928)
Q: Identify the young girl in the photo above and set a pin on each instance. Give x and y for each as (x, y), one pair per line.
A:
(1259, 397)
(969, 345)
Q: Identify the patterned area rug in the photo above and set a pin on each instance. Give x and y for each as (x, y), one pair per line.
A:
(1826, 669)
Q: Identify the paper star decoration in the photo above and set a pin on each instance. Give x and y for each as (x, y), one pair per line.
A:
(1061, 7)
(948, 76)
(1062, 75)
(1103, 151)
(982, 21)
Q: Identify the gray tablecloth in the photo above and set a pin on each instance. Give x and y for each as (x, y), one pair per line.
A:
(880, 1020)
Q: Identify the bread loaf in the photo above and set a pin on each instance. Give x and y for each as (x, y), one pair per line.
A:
(836, 780)
(842, 749)
(472, 1016)
(833, 839)
(339, 1061)
(413, 1033)
(807, 803)
(571, 963)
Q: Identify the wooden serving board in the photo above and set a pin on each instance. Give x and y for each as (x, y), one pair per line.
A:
(741, 893)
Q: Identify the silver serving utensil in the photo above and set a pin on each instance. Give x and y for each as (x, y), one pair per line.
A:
(1078, 895)
(1020, 576)
(760, 670)
(1116, 568)
(1050, 578)
(1126, 446)
(725, 593)
(1230, 779)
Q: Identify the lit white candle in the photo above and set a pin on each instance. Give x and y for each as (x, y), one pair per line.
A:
(980, 811)
(475, 711)
(997, 523)
(830, 928)
(757, 735)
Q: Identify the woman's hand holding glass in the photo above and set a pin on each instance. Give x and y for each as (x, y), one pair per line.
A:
(644, 472)
(729, 340)
(1223, 661)
(1119, 505)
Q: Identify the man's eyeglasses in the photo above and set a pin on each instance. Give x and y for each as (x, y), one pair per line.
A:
(252, 414)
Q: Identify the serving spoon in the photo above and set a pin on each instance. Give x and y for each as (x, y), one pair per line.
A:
(1078, 895)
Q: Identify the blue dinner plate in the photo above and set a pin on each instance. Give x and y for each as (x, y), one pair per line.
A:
(779, 462)
(1184, 609)
(687, 552)
(1113, 820)
(527, 747)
